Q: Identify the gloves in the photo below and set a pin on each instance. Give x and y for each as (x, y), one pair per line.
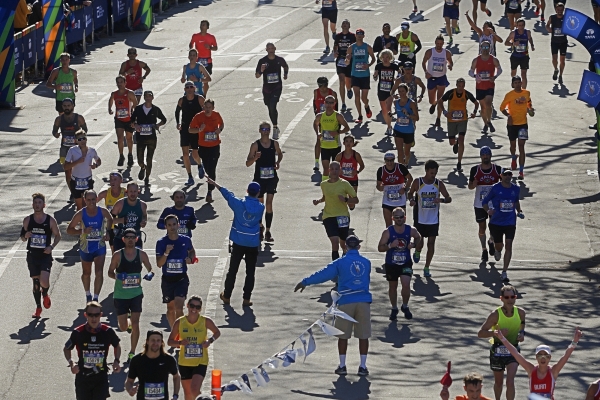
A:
(149, 276)
(521, 215)
(191, 225)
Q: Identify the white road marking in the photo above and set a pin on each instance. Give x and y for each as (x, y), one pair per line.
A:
(308, 44)
(258, 49)
(417, 17)
(252, 69)
(292, 56)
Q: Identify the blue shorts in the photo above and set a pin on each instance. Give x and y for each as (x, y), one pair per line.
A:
(433, 83)
(89, 257)
(450, 12)
(171, 289)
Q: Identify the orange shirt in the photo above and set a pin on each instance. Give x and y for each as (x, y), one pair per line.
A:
(207, 137)
(465, 397)
(199, 41)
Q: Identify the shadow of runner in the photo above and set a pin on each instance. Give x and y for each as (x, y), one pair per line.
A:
(344, 389)
(245, 322)
(33, 331)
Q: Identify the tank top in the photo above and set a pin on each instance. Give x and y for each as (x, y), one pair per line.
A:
(485, 70)
(264, 167)
(412, 87)
(489, 38)
(65, 85)
(131, 286)
(485, 182)
(122, 105)
(41, 235)
(543, 387)
(360, 60)
(133, 216)
(513, 324)
(329, 5)
(407, 45)
(398, 255)
(132, 81)
(189, 71)
(110, 200)
(90, 242)
(68, 129)
(597, 395)
(320, 100)
(520, 44)
(437, 63)
(349, 166)
(393, 182)
(329, 123)
(457, 106)
(426, 211)
(557, 34)
(189, 108)
(193, 354)
(403, 123)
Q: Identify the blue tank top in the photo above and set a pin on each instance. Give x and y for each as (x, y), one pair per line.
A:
(195, 72)
(91, 242)
(360, 60)
(403, 123)
(399, 255)
(520, 44)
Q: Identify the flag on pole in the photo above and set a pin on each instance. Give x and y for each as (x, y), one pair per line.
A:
(589, 90)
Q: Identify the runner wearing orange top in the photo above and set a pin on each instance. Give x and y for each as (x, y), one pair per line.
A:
(208, 124)
(473, 383)
(351, 163)
(132, 71)
(204, 43)
(125, 102)
(485, 68)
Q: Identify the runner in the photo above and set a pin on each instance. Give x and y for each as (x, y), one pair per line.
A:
(385, 71)
(205, 44)
(190, 334)
(111, 196)
(513, 9)
(174, 252)
(473, 384)
(407, 114)
(126, 268)
(92, 341)
(351, 163)
(558, 42)
(189, 105)
(208, 125)
(504, 198)
(343, 40)
(384, 42)
(542, 376)
(360, 56)
(152, 368)
(458, 117)
(510, 320)
(262, 155)
(519, 39)
(129, 212)
(145, 122)
(125, 102)
(426, 200)
(516, 105)
(393, 179)
(80, 161)
(63, 80)
(328, 126)
(486, 33)
(195, 72)
(329, 12)
(319, 106)
(436, 62)
(593, 392)
(396, 243)
(411, 82)
(540, 5)
(37, 230)
(270, 67)
(451, 13)
(408, 43)
(68, 123)
(185, 214)
(90, 224)
(481, 178)
(338, 194)
(484, 8)
(485, 68)
(132, 71)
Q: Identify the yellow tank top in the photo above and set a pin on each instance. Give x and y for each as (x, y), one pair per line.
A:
(329, 123)
(110, 200)
(193, 354)
(405, 46)
(513, 324)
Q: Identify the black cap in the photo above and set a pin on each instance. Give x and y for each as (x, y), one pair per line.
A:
(408, 64)
(353, 242)
(153, 332)
(505, 170)
(129, 230)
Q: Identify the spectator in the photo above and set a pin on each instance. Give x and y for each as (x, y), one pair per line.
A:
(21, 16)
(473, 383)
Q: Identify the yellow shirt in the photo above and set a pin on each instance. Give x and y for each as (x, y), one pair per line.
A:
(517, 104)
(333, 206)
(193, 354)
(329, 123)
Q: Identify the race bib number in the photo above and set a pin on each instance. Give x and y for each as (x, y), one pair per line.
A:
(385, 86)
(194, 351)
(82, 183)
(393, 192)
(328, 136)
(360, 66)
(267, 172)
(501, 351)
(203, 61)
(543, 395)
(513, 4)
(175, 266)
(558, 32)
(347, 172)
(122, 113)
(183, 230)
(449, 2)
(438, 67)
(132, 281)
(210, 136)
(507, 206)
(94, 236)
(523, 134)
(404, 49)
(69, 141)
(327, 3)
(399, 257)
(521, 48)
(146, 129)
(343, 222)
(341, 62)
(93, 359)
(402, 121)
(484, 75)
(322, 108)
(457, 114)
(428, 202)
(37, 241)
(273, 77)
(65, 88)
(138, 91)
(154, 391)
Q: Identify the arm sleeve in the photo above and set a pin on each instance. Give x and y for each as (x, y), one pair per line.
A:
(448, 95)
(196, 121)
(418, 47)
(161, 220)
(380, 174)
(258, 66)
(284, 64)
(350, 190)
(220, 119)
(172, 365)
(160, 248)
(489, 196)
(134, 115)
(470, 96)
(177, 112)
(504, 102)
(69, 156)
(377, 47)
(324, 275)
(472, 173)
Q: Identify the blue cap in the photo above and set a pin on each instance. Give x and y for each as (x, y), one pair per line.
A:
(253, 188)
(485, 151)
(68, 99)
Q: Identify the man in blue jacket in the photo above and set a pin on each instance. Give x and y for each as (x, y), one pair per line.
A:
(247, 214)
(353, 273)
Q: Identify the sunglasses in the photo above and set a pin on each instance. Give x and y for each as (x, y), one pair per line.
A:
(130, 237)
(81, 139)
(507, 173)
(399, 216)
(190, 87)
(510, 297)
(195, 306)
(330, 102)
(265, 129)
(93, 315)
(389, 159)
(90, 199)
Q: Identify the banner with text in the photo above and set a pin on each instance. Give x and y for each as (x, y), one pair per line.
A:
(7, 52)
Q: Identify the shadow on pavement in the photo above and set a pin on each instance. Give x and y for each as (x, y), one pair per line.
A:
(245, 322)
(33, 331)
(344, 389)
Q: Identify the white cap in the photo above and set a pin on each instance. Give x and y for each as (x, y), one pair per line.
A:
(543, 347)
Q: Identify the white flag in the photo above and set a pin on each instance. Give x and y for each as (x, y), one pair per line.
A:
(260, 380)
(338, 313)
(329, 330)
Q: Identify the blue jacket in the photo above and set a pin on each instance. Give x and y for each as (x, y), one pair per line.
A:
(354, 276)
(247, 214)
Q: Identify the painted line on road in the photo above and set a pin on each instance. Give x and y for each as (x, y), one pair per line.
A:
(417, 17)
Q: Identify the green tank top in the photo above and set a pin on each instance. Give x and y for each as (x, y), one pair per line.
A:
(131, 286)
(513, 324)
(329, 123)
(65, 87)
(133, 216)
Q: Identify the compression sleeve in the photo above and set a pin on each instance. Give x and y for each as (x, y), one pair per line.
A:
(177, 111)
(418, 47)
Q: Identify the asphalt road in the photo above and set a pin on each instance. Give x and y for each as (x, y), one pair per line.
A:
(554, 264)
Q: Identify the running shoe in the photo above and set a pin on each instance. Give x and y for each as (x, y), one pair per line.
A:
(555, 75)
(438, 124)
(485, 129)
(129, 327)
(246, 303)
(560, 79)
(224, 299)
(416, 9)
(342, 371)
(349, 93)
(528, 4)
(432, 109)
(359, 119)
(388, 132)
(416, 256)
(268, 237)
(488, 12)
(368, 112)
(521, 176)
(121, 161)
(450, 41)
(491, 248)
(262, 233)
(542, 18)
(537, 11)
(406, 311)
(275, 133)
(484, 255)
(513, 164)
(457, 29)
(333, 35)
(497, 255)
(455, 147)
(426, 273)
(343, 107)
(492, 129)
(37, 313)
(504, 277)
(47, 302)
(363, 371)
(129, 160)
(593, 126)
(201, 171)
(394, 314)
(327, 50)
(141, 174)
(208, 197)
(459, 167)
(190, 181)
(88, 298)
(130, 356)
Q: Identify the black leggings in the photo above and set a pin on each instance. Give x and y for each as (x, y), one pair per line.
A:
(271, 100)
(237, 253)
(210, 158)
(141, 147)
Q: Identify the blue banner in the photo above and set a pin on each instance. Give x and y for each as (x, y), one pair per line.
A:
(589, 90)
(100, 13)
(119, 9)
(39, 38)
(74, 31)
(18, 53)
(88, 15)
(29, 47)
(155, 2)
(585, 30)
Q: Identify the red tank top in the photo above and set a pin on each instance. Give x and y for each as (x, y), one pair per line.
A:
(122, 105)
(597, 395)
(349, 165)
(543, 387)
(487, 178)
(132, 80)
(485, 70)
(392, 178)
(320, 100)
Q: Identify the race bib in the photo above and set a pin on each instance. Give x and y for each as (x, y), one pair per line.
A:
(521, 48)
(37, 241)
(82, 183)
(507, 206)
(457, 114)
(94, 236)
(449, 2)
(132, 281)
(194, 351)
(322, 108)
(341, 62)
(360, 66)
(343, 222)
(267, 172)
(513, 4)
(437, 67)
(146, 129)
(404, 49)
(327, 3)
(407, 270)
(558, 32)
(484, 75)
(402, 121)
(175, 266)
(347, 172)
(273, 77)
(183, 230)
(393, 192)
(523, 134)
(154, 391)
(427, 202)
(501, 351)
(385, 86)
(69, 141)
(138, 91)
(203, 61)
(399, 257)
(93, 359)
(65, 88)
(544, 395)
(210, 136)
(122, 113)
(328, 136)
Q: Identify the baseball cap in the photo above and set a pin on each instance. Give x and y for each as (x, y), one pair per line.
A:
(505, 170)
(543, 347)
(404, 25)
(516, 78)
(389, 155)
(408, 65)
(129, 230)
(149, 92)
(253, 188)
(353, 241)
(189, 84)
(68, 99)
(360, 31)
(153, 332)
(485, 151)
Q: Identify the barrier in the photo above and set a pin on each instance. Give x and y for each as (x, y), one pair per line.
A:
(7, 52)
(18, 43)
(29, 46)
(54, 33)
